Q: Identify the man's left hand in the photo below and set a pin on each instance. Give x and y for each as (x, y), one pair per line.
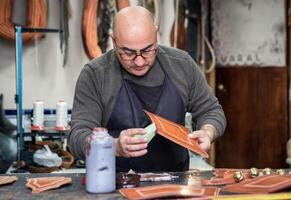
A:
(203, 139)
(204, 136)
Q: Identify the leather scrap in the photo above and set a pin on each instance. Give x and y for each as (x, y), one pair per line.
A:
(46, 183)
(176, 133)
(7, 179)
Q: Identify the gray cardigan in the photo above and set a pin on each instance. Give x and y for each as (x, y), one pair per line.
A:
(100, 80)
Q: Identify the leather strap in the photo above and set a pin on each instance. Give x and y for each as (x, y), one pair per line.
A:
(36, 18)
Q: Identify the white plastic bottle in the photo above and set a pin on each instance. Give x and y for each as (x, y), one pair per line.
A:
(100, 162)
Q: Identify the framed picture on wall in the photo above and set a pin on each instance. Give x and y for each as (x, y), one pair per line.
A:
(249, 32)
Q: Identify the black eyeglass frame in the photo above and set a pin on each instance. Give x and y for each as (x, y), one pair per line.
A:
(145, 54)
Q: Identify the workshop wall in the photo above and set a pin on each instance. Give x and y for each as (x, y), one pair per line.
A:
(44, 76)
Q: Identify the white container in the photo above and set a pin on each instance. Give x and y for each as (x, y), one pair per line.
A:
(62, 114)
(100, 163)
(38, 113)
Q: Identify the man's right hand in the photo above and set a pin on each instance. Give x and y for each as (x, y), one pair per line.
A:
(129, 146)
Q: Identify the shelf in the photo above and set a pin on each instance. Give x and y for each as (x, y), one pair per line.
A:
(45, 133)
(18, 96)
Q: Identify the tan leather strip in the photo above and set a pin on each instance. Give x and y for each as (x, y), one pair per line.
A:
(89, 29)
(36, 18)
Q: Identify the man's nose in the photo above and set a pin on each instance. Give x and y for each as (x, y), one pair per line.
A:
(139, 61)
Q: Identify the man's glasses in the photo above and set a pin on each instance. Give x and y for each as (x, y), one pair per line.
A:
(131, 55)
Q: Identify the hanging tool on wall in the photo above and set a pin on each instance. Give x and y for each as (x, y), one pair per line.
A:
(205, 56)
(193, 29)
(190, 32)
(65, 13)
(106, 14)
(178, 32)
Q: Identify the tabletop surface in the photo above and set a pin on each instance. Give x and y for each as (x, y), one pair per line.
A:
(76, 190)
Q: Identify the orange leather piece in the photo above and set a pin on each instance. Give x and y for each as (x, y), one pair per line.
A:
(176, 133)
(261, 185)
(89, 29)
(168, 190)
(7, 179)
(46, 183)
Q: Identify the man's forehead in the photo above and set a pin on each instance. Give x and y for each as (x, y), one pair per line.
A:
(135, 32)
(136, 42)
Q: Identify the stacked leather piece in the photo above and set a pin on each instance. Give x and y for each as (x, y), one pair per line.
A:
(261, 185)
(248, 184)
(46, 183)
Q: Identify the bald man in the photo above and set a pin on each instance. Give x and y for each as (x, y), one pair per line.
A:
(112, 91)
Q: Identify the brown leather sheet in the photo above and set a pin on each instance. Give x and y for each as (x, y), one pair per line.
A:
(168, 190)
(46, 183)
(7, 179)
(261, 185)
(176, 133)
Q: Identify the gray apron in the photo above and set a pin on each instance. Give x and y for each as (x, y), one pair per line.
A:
(165, 101)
